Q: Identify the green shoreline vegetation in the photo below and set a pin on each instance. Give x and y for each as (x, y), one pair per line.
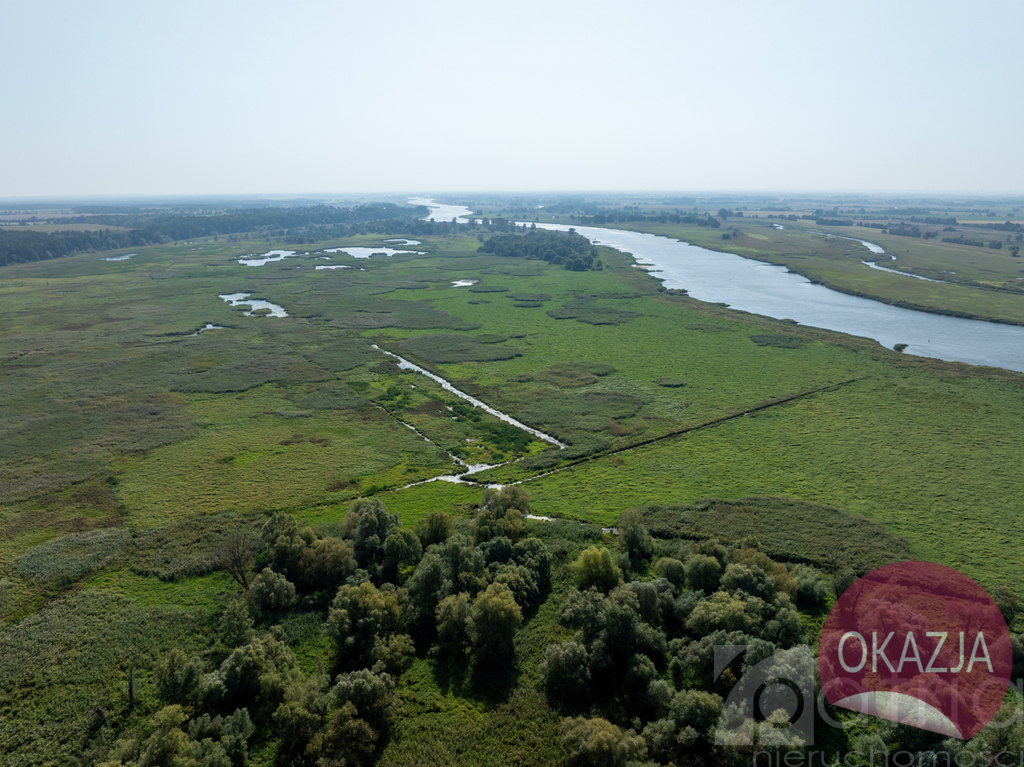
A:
(222, 547)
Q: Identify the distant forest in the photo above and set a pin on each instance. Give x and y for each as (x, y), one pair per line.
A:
(301, 225)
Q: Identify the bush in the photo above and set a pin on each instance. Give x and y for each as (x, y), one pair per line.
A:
(778, 340)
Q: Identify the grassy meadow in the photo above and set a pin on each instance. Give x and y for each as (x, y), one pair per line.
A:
(134, 444)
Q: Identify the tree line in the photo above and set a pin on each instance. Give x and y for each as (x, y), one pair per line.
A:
(316, 222)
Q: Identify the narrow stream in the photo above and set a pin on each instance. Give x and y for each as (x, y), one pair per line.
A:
(404, 364)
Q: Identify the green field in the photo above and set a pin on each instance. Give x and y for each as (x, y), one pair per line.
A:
(151, 445)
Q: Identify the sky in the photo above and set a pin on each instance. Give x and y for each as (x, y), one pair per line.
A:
(112, 97)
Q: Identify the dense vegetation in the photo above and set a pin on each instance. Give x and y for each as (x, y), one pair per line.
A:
(571, 250)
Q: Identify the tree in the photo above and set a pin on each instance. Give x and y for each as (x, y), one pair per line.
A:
(702, 572)
(235, 623)
(286, 542)
(565, 671)
(372, 529)
(453, 617)
(235, 556)
(494, 620)
(436, 527)
(1007, 601)
(176, 679)
(595, 568)
(671, 570)
(359, 615)
(326, 564)
(635, 536)
(599, 743)
(402, 550)
(271, 591)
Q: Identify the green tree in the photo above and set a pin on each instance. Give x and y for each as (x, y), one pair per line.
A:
(494, 620)
(596, 568)
(671, 570)
(703, 572)
(436, 527)
(565, 672)
(271, 591)
(358, 616)
(286, 541)
(599, 743)
(402, 550)
(236, 623)
(635, 536)
(373, 525)
(453, 619)
(176, 679)
(325, 564)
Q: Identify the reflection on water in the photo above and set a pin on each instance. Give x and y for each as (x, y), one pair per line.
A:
(404, 364)
(120, 258)
(242, 299)
(209, 326)
(761, 288)
(270, 255)
(367, 252)
(441, 212)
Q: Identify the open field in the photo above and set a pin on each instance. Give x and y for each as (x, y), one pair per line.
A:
(115, 414)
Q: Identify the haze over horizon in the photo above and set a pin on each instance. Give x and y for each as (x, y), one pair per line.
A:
(118, 99)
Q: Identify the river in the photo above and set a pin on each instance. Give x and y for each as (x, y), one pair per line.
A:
(761, 288)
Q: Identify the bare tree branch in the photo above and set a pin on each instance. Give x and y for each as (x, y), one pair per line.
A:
(235, 556)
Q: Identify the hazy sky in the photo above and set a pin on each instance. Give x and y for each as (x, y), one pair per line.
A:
(111, 98)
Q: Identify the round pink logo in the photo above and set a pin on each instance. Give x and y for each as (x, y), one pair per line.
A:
(917, 643)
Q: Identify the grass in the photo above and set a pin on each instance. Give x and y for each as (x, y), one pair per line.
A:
(115, 417)
(929, 459)
(786, 530)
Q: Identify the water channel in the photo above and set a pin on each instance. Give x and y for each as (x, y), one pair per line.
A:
(774, 291)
